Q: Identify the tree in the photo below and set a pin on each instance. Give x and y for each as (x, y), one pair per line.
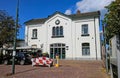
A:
(7, 25)
(112, 20)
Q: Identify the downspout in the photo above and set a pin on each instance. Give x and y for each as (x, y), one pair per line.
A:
(101, 34)
(95, 38)
(47, 39)
(27, 34)
(75, 42)
(72, 38)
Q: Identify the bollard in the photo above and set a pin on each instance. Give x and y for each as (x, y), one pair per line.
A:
(57, 61)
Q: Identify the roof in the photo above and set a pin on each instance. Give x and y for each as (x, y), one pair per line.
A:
(72, 16)
(33, 21)
(81, 15)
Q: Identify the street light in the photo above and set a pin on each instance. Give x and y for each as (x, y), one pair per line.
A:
(106, 55)
(14, 48)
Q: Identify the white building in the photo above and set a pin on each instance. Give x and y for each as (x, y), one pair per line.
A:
(115, 56)
(73, 36)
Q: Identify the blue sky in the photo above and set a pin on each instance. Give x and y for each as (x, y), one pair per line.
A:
(29, 9)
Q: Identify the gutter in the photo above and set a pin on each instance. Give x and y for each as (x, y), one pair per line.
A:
(95, 38)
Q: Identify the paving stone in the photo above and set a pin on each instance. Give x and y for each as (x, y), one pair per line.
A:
(67, 69)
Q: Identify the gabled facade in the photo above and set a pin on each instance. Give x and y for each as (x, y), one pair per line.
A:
(69, 36)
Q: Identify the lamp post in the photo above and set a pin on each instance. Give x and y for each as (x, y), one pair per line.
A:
(106, 55)
(15, 36)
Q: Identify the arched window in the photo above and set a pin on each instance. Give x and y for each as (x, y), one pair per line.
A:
(57, 31)
(85, 49)
(61, 30)
(53, 31)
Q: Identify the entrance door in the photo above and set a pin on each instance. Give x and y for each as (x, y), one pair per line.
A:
(57, 49)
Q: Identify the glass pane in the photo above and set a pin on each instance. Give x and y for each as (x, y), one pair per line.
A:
(88, 50)
(63, 53)
(63, 45)
(85, 29)
(57, 31)
(53, 31)
(55, 45)
(85, 50)
(51, 45)
(61, 31)
(59, 53)
(51, 52)
(34, 34)
(59, 45)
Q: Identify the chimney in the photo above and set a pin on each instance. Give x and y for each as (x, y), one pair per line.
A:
(78, 12)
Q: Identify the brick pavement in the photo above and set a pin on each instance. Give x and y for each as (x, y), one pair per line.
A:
(67, 69)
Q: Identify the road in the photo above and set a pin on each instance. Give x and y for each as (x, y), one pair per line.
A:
(67, 69)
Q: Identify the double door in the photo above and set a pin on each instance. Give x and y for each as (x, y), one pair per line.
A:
(57, 51)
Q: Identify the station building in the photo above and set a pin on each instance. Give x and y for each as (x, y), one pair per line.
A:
(74, 36)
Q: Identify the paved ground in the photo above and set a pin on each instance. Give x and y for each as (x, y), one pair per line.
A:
(67, 69)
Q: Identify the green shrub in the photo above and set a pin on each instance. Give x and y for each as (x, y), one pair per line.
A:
(45, 54)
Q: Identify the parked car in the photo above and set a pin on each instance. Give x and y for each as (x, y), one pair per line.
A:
(20, 58)
(1, 56)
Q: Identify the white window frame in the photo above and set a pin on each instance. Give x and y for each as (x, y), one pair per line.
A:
(85, 49)
(34, 34)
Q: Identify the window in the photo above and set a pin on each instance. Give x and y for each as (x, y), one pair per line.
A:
(61, 31)
(34, 34)
(53, 31)
(85, 49)
(57, 32)
(57, 49)
(34, 46)
(85, 30)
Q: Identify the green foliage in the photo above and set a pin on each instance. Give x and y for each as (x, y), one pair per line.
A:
(45, 54)
(7, 25)
(112, 20)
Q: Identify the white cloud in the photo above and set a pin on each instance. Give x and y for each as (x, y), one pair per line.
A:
(92, 5)
(89, 6)
(68, 12)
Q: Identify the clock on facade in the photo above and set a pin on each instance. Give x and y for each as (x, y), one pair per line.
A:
(57, 22)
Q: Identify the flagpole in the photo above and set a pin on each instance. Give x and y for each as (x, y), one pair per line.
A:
(15, 36)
